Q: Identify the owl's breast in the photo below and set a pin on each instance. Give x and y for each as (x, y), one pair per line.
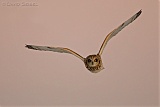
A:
(92, 66)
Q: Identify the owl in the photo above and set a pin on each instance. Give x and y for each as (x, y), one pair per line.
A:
(92, 62)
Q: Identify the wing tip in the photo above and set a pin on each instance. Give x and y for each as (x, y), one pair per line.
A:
(29, 46)
(139, 12)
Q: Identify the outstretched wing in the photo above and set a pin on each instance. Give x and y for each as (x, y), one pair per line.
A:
(115, 31)
(55, 49)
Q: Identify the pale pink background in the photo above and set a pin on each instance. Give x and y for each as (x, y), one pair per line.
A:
(130, 59)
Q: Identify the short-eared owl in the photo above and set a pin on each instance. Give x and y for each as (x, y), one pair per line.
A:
(92, 62)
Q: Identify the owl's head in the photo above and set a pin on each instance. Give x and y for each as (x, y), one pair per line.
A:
(93, 63)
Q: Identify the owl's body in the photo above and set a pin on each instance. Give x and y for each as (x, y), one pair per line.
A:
(92, 62)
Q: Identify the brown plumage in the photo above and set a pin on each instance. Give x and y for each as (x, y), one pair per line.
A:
(92, 62)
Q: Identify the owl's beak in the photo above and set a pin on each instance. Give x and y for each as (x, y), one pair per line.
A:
(92, 63)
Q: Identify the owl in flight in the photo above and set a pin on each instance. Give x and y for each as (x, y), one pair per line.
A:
(92, 62)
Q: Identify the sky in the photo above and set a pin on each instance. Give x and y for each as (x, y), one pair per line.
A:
(36, 78)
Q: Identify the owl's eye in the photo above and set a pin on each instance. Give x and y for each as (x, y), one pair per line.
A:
(96, 60)
(89, 60)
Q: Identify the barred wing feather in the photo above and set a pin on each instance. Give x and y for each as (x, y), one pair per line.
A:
(115, 31)
(55, 49)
